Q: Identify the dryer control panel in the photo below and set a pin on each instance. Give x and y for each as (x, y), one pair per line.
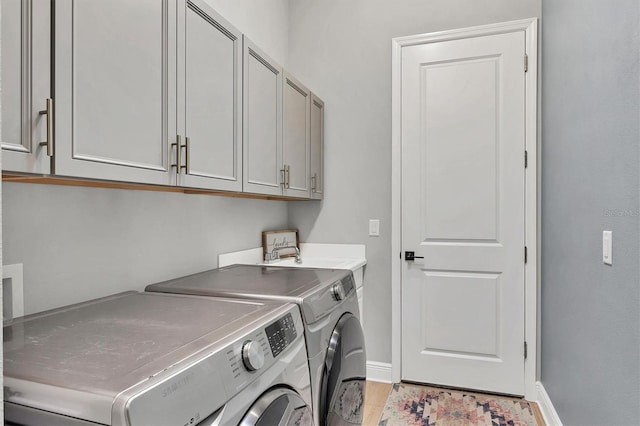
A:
(281, 334)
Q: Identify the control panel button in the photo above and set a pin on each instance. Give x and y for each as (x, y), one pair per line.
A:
(338, 291)
(252, 356)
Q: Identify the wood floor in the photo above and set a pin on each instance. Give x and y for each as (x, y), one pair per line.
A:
(376, 397)
(374, 400)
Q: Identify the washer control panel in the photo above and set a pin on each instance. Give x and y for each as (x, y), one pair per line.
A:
(281, 334)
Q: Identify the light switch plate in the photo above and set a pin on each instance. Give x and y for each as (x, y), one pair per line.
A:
(374, 227)
(607, 247)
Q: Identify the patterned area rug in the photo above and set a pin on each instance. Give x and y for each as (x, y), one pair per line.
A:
(427, 406)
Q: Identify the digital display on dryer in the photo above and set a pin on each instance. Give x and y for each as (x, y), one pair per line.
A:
(280, 334)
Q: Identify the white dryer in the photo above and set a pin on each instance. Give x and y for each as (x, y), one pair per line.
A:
(157, 359)
(328, 301)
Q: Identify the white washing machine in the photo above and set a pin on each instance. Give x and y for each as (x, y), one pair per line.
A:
(328, 301)
(157, 359)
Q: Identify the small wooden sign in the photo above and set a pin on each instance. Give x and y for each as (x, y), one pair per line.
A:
(283, 240)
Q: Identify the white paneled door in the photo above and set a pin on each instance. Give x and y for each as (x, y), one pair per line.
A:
(463, 212)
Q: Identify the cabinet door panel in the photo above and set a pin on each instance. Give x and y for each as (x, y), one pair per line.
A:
(213, 100)
(295, 140)
(317, 147)
(26, 70)
(262, 136)
(114, 69)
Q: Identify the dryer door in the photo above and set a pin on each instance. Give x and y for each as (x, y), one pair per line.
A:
(344, 377)
(279, 406)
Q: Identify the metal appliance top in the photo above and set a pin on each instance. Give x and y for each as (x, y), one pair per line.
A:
(85, 355)
(255, 282)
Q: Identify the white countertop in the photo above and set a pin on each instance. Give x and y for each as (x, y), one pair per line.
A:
(314, 255)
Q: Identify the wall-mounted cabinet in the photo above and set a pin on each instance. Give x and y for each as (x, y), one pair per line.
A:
(209, 100)
(165, 93)
(26, 85)
(296, 101)
(316, 123)
(262, 137)
(115, 79)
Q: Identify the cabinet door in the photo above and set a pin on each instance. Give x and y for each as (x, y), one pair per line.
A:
(209, 99)
(317, 147)
(296, 101)
(26, 73)
(115, 85)
(262, 118)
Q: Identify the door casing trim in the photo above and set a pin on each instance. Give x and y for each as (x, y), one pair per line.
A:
(532, 189)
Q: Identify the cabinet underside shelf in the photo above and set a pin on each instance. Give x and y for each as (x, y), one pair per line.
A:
(63, 181)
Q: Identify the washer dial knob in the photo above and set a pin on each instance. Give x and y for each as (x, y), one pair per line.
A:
(252, 356)
(338, 291)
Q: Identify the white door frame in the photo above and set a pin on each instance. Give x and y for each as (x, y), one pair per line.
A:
(532, 206)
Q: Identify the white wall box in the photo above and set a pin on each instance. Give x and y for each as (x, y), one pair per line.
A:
(209, 99)
(115, 80)
(317, 147)
(26, 85)
(296, 104)
(262, 121)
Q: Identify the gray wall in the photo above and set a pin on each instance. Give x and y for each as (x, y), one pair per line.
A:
(590, 161)
(265, 22)
(342, 50)
(81, 243)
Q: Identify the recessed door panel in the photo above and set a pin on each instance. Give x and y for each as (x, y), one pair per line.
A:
(13, 63)
(460, 156)
(118, 81)
(460, 313)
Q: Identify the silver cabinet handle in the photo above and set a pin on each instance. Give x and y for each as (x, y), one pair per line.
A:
(314, 182)
(283, 172)
(288, 171)
(187, 155)
(178, 148)
(49, 142)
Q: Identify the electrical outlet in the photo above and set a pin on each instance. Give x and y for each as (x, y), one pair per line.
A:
(374, 227)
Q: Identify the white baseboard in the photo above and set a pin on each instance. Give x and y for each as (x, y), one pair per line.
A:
(549, 413)
(379, 372)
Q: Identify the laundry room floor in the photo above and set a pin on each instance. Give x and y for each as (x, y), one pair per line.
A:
(378, 393)
(375, 399)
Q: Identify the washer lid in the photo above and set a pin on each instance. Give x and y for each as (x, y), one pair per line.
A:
(76, 360)
(254, 281)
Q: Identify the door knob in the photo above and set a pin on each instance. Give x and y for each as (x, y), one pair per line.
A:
(411, 255)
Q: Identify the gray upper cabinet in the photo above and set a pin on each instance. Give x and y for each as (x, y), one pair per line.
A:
(115, 89)
(317, 147)
(209, 99)
(163, 92)
(296, 102)
(262, 122)
(26, 71)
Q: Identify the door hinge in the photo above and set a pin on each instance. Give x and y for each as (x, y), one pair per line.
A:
(525, 350)
(526, 159)
(525, 254)
(526, 62)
